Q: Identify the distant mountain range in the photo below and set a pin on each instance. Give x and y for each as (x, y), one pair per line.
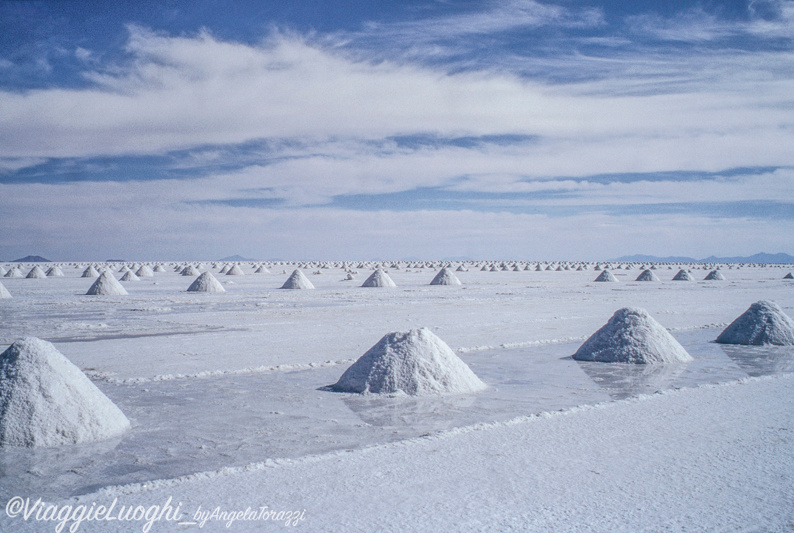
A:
(236, 258)
(32, 259)
(757, 258)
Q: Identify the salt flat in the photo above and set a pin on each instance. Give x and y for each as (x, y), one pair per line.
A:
(231, 384)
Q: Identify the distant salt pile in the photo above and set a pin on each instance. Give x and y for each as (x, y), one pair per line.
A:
(224, 270)
(190, 270)
(606, 275)
(414, 362)
(144, 272)
(715, 275)
(445, 276)
(632, 336)
(36, 273)
(3, 271)
(261, 270)
(763, 323)
(789, 276)
(235, 271)
(297, 280)
(129, 276)
(206, 283)
(158, 269)
(379, 278)
(107, 285)
(4, 292)
(45, 400)
(647, 275)
(55, 272)
(683, 275)
(90, 272)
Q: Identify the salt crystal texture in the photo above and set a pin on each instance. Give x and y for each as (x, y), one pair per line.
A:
(45, 400)
(107, 285)
(632, 336)
(414, 362)
(206, 283)
(763, 323)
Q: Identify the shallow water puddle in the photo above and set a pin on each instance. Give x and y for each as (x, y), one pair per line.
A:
(198, 424)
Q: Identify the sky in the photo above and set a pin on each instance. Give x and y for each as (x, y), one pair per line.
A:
(352, 129)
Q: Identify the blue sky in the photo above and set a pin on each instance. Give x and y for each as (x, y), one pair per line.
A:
(353, 130)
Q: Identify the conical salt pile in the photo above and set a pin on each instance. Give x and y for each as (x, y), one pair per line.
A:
(683, 275)
(379, 278)
(13, 273)
(715, 275)
(297, 280)
(90, 272)
(36, 273)
(261, 270)
(606, 275)
(129, 276)
(45, 400)
(445, 276)
(763, 323)
(190, 270)
(159, 269)
(55, 272)
(647, 275)
(235, 271)
(789, 276)
(144, 272)
(4, 292)
(107, 285)
(414, 362)
(206, 283)
(632, 336)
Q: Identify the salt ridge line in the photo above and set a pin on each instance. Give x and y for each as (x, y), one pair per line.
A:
(134, 488)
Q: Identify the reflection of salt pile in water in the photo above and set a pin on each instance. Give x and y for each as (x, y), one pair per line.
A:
(379, 278)
(632, 336)
(107, 285)
(4, 292)
(45, 400)
(206, 283)
(445, 276)
(414, 362)
(763, 323)
(647, 275)
(606, 275)
(297, 280)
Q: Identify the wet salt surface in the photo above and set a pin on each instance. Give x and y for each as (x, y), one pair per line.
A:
(191, 425)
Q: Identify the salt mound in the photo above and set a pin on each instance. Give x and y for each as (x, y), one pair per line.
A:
(632, 336)
(763, 323)
(379, 278)
(107, 285)
(158, 269)
(647, 275)
(45, 400)
(129, 276)
(715, 275)
(144, 272)
(206, 283)
(297, 281)
(90, 272)
(606, 275)
(414, 362)
(13, 273)
(235, 271)
(4, 292)
(445, 276)
(190, 270)
(36, 273)
(55, 272)
(261, 270)
(683, 275)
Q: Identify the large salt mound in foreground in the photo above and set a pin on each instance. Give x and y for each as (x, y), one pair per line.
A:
(4, 292)
(632, 336)
(763, 323)
(414, 362)
(45, 400)
(107, 285)
(206, 283)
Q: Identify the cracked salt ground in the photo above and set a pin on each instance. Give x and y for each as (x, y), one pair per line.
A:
(191, 425)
